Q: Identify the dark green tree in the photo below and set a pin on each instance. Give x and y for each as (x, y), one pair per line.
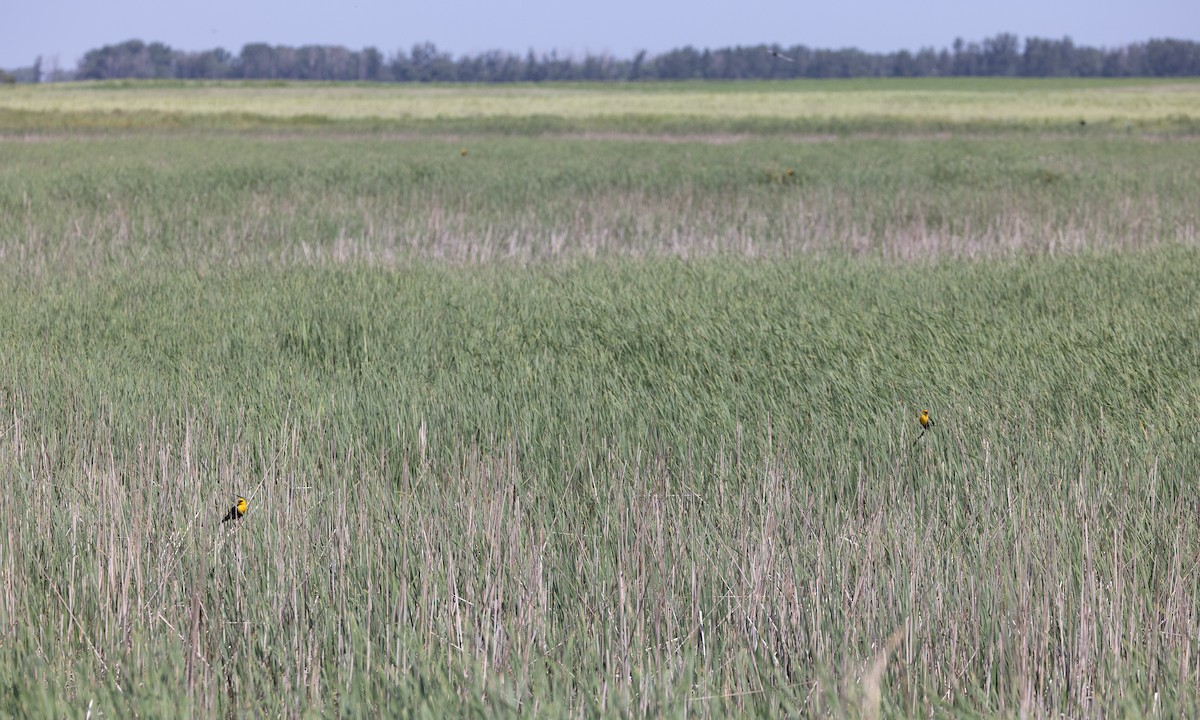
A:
(1000, 55)
(257, 61)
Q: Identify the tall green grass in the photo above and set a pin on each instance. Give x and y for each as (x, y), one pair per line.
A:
(656, 488)
(597, 424)
(73, 205)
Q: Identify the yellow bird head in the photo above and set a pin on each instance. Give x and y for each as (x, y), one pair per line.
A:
(241, 505)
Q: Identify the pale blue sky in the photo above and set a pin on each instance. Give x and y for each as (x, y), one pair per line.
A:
(65, 29)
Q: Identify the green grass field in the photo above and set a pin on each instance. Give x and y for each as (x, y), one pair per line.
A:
(829, 106)
(597, 419)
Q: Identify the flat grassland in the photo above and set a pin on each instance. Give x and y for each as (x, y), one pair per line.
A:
(830, 105)
(600, 400)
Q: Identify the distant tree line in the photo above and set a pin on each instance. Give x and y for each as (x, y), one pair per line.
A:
(1002, 55)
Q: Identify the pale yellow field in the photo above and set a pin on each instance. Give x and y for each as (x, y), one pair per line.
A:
(950, 101)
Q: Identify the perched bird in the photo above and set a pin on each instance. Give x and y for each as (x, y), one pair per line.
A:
(237, 511)
(462, 153)
(926, 423)
(781, 56)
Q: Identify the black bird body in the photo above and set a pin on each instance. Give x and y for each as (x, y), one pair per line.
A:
(237, 511)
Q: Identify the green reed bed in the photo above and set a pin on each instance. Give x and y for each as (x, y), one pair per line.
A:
(73, 205)
(661, 487)
(596, 419)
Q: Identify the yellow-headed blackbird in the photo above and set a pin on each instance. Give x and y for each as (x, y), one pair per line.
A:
(236, 511)
(925, 421)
